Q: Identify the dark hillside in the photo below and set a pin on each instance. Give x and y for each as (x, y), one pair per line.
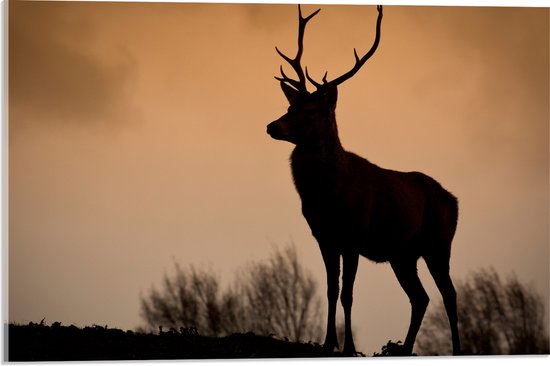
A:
(39, 342)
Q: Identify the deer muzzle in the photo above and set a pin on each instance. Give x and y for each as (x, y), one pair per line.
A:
(276, 131)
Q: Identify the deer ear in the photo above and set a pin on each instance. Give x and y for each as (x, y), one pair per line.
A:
(291, 94)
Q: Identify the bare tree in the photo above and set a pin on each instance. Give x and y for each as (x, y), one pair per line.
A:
(189, 299)
(273, 297)
(281, 298)
(495, 318)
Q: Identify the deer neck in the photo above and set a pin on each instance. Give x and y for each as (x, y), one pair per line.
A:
(319, 163)
(325, 147)
(326, 152)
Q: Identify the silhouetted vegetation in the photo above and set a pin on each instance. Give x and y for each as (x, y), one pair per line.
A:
(277, 297)
(393, 349)
(495, 318)
(190, 299)
(39, 342)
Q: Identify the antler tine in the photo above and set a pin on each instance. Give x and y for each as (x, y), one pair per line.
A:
(316, 84)
(359, 62)
(286, 79)
(299, 84)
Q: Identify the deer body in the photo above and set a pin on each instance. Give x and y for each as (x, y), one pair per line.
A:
(378, 213)
(356, 208)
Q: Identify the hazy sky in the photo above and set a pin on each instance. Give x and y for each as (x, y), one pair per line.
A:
(137, 138)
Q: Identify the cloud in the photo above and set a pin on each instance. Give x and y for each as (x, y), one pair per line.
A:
(55, 71)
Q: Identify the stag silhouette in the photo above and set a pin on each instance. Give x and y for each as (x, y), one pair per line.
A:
(355, 207)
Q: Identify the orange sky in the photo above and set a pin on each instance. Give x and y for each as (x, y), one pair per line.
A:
(137, 137)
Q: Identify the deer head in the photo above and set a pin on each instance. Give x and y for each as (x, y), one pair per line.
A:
(310, 117)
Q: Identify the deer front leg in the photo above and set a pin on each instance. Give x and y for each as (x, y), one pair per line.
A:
(350, 262)
(332, 266)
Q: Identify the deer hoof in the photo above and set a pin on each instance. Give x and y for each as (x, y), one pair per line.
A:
(349, 350)
(330, 346)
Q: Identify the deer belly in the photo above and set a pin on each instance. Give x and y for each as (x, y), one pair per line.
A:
(376, 253)
(380, 244)
(383, 235)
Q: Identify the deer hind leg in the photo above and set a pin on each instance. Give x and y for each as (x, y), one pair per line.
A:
(350, 262)
(407, 275)
(332, 266)
(440, 274)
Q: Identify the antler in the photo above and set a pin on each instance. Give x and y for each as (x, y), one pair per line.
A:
(359, 62)
(299, 84)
